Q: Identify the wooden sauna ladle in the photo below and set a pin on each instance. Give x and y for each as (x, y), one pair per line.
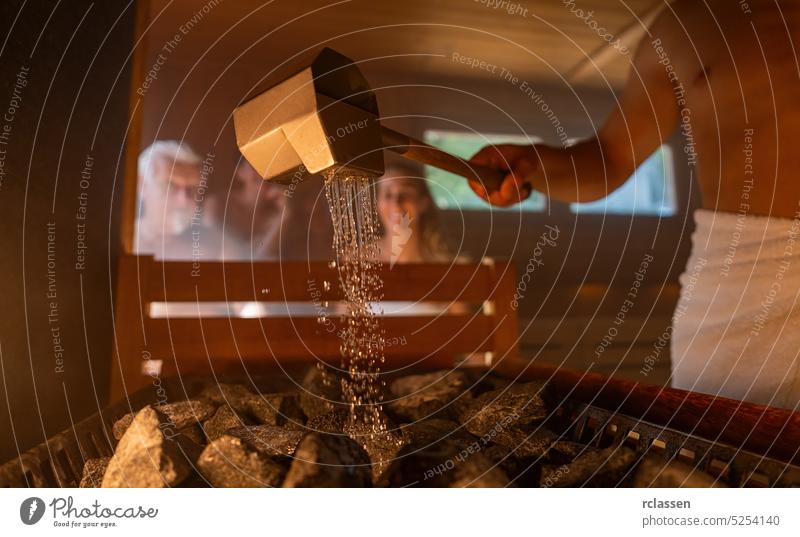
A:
(324, 116)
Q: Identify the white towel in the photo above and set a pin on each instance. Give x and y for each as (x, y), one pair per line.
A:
(736, 328)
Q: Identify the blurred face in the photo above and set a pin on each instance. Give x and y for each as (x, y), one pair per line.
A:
(169, 196)
(250, 189)
(183, 186)
(398, 197)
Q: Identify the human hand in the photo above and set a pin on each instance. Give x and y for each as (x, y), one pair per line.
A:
(519, 160)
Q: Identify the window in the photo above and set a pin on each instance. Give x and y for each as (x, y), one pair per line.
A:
(649, 191)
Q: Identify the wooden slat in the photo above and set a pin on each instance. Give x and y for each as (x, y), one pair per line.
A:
(130, 319)
(297, 281)
(229, 368)
(504, 317)
(133, 140)
(591, 300)
(304, 338)
(566, 330)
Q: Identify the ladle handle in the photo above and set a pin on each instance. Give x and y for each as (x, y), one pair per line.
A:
(419, 151)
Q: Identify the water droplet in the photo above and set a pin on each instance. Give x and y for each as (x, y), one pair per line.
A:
(352, 203)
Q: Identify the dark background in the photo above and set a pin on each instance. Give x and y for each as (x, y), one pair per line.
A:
(75, 104)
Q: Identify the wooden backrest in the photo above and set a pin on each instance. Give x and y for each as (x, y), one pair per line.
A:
(479, 323)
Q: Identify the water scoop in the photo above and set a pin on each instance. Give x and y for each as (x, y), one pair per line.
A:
(324, 117)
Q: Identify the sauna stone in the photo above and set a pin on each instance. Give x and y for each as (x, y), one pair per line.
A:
(233, 395)
(446, 463)
(516, 469)
(150, 454)
(657, 472)
(417, 397)
(480, 472)
(261, 409)
(330, 422)
(565, 451)
(222, 421)
(432, 430)
(524, 471)
(382, 450)
(498, 411)
(195, 481)
(497, 453)
(182, 415)
(320, 394)
(292, 415)
(327, 460)
(482, 382)
(194, 433)
(382, 447)
(275, 409)
(121, 425)
(231, 462)
(93, 471)
(269, 440)
(524, 444)
(601, 468)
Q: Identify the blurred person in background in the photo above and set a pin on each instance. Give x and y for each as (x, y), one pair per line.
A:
(275, 222)
(170, 223)
(265, 221)
(411, 232)
(410, 225)
(252, 221)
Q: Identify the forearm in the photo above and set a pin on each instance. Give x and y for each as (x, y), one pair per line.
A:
(645, 115)
(580, 173)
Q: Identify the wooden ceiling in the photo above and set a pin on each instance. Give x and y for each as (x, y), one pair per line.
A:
(541, 41)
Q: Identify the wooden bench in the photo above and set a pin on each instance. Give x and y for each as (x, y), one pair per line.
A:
(214, 342)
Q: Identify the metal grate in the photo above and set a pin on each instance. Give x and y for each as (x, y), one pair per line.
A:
(732, 466)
